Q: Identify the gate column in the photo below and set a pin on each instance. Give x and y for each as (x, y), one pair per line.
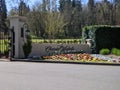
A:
(16, 24)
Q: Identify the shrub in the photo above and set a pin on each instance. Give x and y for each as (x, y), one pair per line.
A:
(115, 51)
(27, 47)
(71, 41)
(79, 41)
(75, 41)
(45, 41)
(104, 51)
(59, 41)
(118, 52)
(64, 41)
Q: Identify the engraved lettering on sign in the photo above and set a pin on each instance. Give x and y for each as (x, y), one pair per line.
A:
(58, 48)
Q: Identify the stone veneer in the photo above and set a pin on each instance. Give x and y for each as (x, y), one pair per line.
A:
(48, 48)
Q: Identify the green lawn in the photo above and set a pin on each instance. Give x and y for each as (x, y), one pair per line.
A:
(4, 45)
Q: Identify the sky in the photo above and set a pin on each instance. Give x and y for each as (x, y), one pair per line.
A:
(10, 4)
(31, 3)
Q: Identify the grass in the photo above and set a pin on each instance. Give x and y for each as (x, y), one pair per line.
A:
(48, 41)
(4, 45)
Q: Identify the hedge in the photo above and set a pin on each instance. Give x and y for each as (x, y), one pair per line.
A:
(102, 37)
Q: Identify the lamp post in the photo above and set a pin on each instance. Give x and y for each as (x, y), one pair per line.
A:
(11, 38)
(28, 43)
(27, 31)
(25, 26)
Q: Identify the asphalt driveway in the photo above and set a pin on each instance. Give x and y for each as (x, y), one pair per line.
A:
(46, 76)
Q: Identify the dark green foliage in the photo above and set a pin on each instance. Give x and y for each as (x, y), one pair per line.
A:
(3, 10)
(102, 37)
(115, 51)
(107, 38)
(72, 14)
(104, 51)
(3, 16)
(91, 4)
(62, 4)
(91, 11)
(27, 47)
(23, 8)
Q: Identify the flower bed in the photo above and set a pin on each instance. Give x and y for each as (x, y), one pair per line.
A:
(78, 58)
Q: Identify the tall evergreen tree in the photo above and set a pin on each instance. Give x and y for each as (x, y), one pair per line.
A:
(23, 8)
(3, 16)
(91, 13)
(71, 11)
(115, 2)
(66, 10)
(105, 13)
(117, 12)
(76, 18)
(105, 0)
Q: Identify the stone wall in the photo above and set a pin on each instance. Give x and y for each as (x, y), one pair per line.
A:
(48, 48)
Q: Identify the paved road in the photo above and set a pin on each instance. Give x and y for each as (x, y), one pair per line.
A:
(44, 76)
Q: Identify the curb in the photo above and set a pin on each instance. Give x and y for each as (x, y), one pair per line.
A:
(64, 62)
(4, 60)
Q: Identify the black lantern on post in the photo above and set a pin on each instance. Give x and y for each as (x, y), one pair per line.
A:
(25, 26)
(27, 47)
(27, 31)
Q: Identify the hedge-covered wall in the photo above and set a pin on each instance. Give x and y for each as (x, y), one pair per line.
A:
(102, 37)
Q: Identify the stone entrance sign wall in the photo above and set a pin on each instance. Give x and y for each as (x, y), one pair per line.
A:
(49, 48)
(38, 49)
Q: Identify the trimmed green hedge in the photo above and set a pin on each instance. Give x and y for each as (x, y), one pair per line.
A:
(102, 37)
